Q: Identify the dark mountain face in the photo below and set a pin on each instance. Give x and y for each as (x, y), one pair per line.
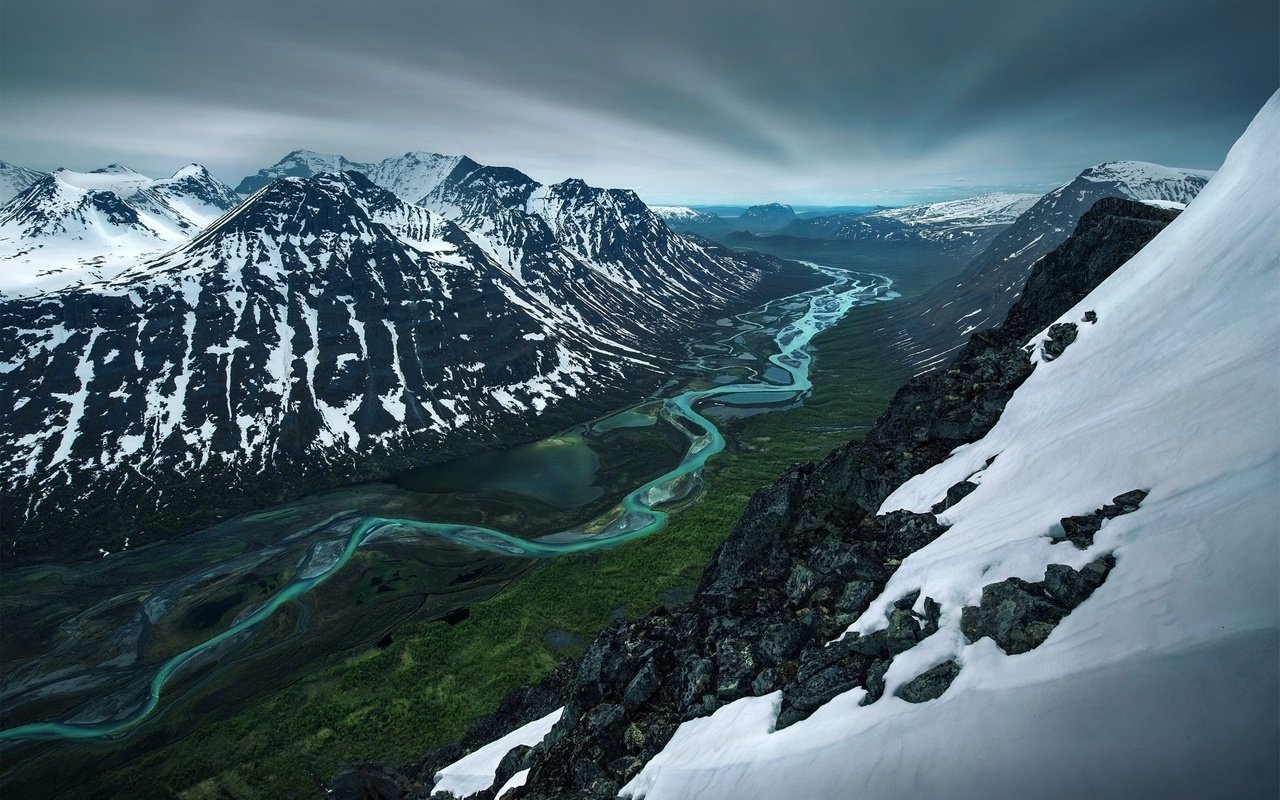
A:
(769, 215)
(325, 330)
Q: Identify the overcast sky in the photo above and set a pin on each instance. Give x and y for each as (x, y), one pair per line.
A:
(840, 101)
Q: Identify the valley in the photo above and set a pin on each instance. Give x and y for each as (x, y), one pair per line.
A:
(227, 581)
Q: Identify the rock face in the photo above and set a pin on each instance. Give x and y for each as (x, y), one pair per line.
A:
(804, 561)
(327, 331)
(929, 330)
(14, 179)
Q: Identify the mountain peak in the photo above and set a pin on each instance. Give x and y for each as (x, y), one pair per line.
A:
(116, 168)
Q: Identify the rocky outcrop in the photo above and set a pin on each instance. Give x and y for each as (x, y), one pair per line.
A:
(805, 560)
(1019, 616)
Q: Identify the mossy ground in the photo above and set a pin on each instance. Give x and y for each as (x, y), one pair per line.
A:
(392, 703)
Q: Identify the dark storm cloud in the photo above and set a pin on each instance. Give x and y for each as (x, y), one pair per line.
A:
(692, 101)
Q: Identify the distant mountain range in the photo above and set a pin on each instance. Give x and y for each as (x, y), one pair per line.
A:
(928, 330)
(66, 228)
(323, 330)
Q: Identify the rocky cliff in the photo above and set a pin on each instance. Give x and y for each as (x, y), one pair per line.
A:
(806, 558)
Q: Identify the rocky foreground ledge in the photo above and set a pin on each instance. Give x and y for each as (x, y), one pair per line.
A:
(805, 560)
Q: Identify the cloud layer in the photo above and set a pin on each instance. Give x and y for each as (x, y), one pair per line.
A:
(807, 102)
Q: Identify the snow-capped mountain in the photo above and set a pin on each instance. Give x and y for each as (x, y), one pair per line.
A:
(601, 253)
(967, 221)
(410, 176)
(326, 330)
(683, 215)
(68, 227)
(928, 330)
(14, 179)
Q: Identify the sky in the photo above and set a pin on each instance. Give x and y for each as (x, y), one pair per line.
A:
(697, 101)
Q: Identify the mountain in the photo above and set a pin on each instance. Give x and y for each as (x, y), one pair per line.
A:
(13, 179)
(326, 331)
(1034, 552)
(680, 216)
(965, 225)
(929, 329)
(600, 252)
(67, 228)
(411, 176)
(767, 216)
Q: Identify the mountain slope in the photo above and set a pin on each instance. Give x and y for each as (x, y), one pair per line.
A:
(14, 179)
(683, 215)
(600, 254)
(68, 228)
(927, 330)
(1090, 530)
(1171, 391)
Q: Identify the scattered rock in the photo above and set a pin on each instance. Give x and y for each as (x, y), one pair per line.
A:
(1019, 615)
(1061, 335)
(955, 494)
(1080, 530)
(930, 684)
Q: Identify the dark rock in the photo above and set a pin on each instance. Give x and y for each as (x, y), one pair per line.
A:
(875, 681)
(955, 494)
(1060, 337)
(824, 673)
(903, 531)
(800, 583)
(855, 598)
(1017, 615)
(930, 684)
(694, 681)
(735, 667)
(932, 616)
(1080, 530)
(903, 631)
(642, 686)
(516, 759)
(969, 623)
(1091, 316)
(907, 602)
(1065, 586)
(1096, 571)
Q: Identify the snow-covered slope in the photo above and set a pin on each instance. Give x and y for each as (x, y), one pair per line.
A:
(14, 179)
(929, 330)
(1164, 682)
(683, 215)
(69, 228)
(969, 222)
(996, 208)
